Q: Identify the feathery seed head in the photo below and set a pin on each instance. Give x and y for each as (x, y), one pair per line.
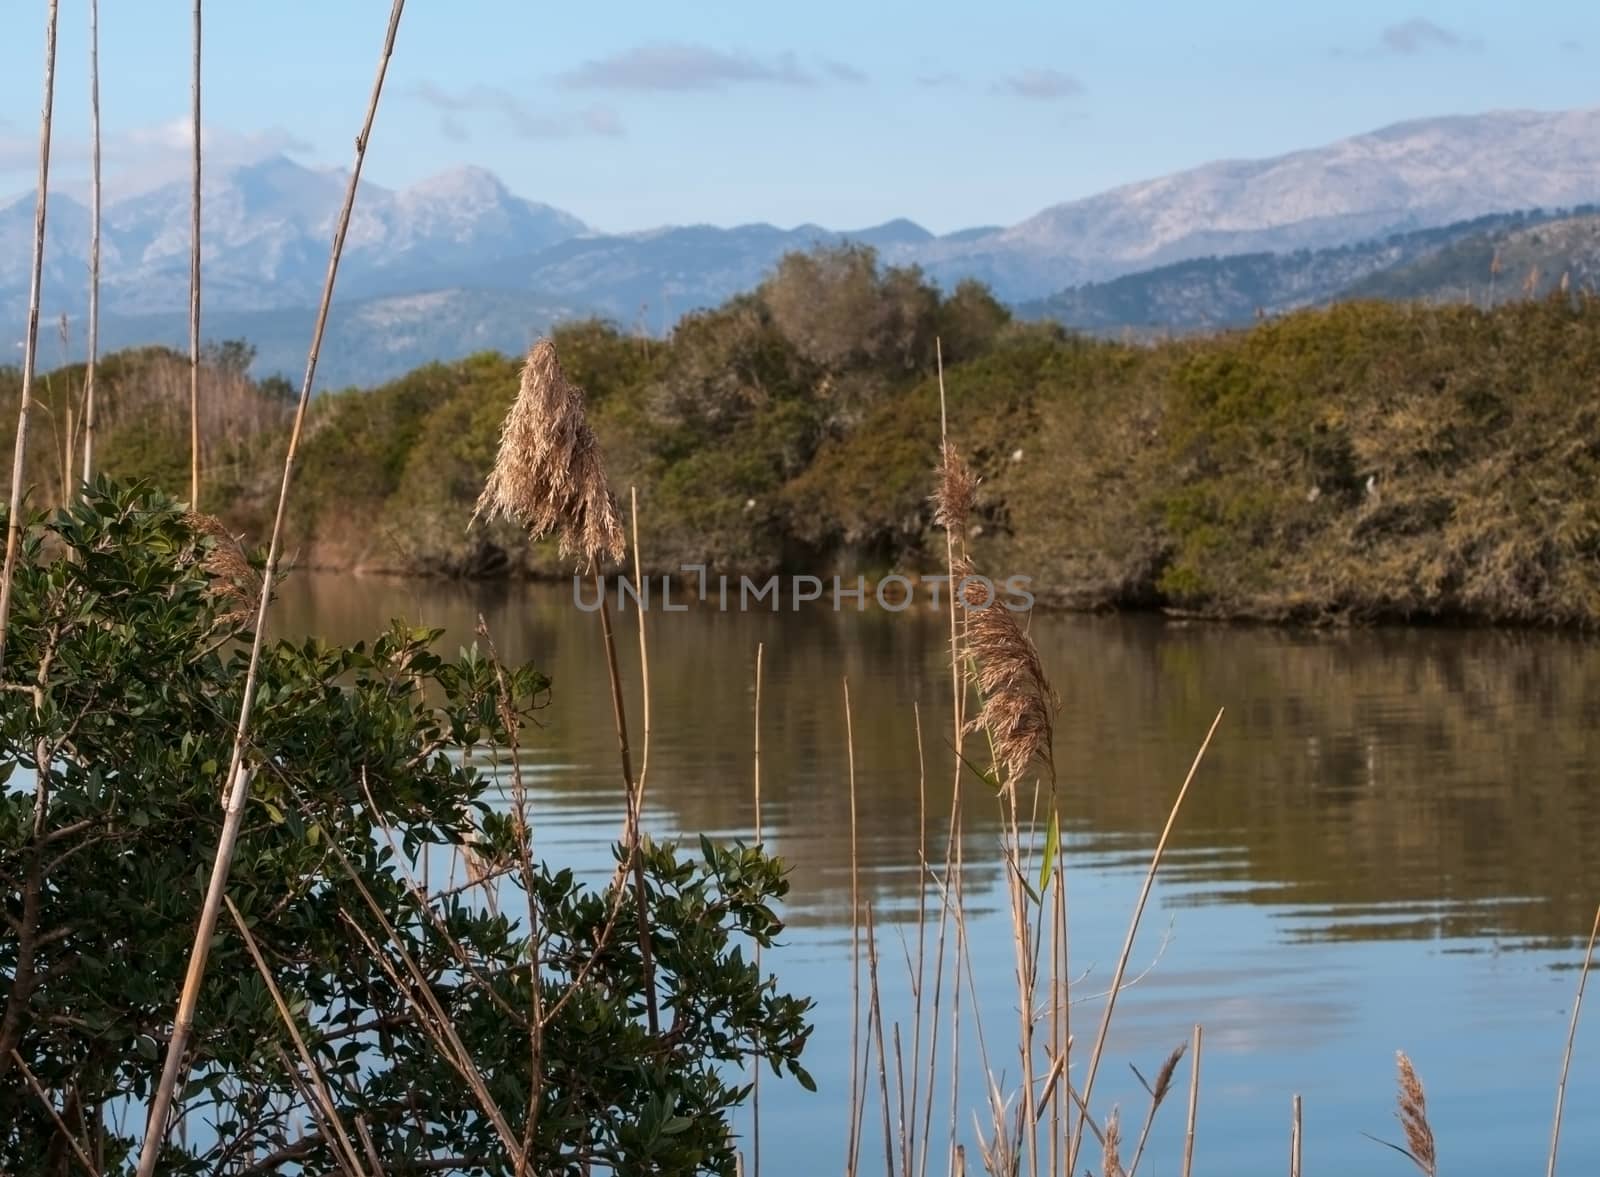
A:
(548, 475)
(1414, 1117)
(957, 491)
(1019, 704)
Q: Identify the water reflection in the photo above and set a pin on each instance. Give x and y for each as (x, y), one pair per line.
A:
(1389, 845)
(1378, 784)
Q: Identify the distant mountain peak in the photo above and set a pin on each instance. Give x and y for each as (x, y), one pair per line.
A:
(468, 182)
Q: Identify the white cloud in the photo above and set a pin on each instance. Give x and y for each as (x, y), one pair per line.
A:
(679, 67)
(1041, 85)
(456, 107)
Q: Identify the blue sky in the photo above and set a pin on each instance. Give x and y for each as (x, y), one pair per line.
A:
(632, 115)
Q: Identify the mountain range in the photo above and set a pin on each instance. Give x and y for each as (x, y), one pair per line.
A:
(458, 262)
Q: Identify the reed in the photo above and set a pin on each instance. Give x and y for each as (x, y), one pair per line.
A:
(238, 776)
(344, 1149)
(194, 274)
(853, 1144)
(1158, 1093)
(1194, 1102)
(755, 1068)
(548, 475)
(1414, 1118)
(30, 340)
(1133, 929)
(1572, 1034)
(1295, 1137)
(78, 1152)
(1111, 1146)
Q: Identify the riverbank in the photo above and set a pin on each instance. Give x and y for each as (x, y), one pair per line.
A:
(1366, 462)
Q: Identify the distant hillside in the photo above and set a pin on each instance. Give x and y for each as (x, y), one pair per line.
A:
(1212, 293)
(369, 340)
(1507, 263)
(1217, 292)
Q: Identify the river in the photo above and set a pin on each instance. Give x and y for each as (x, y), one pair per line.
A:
(1390, 845)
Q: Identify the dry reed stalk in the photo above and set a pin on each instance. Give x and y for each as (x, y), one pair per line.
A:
(876, 1018)
(344, 1149)
(194, 276)
(238, 777)
(310, 1102)
(78, 1151)
(548, 475)
(1061, 997)
(371, 1149)
(755, 1065)
(857, 1097)
(1158, 1094)
(433, 1021)
(94, 244)
(30, 341)
(1295, 1138)
(900, 1091)
(1025, 974)
(1194, 1103)
(644, 664)
(958, 733)
(1572, 1033)
(634, 861)
(1111, 1143)
(955, 993)
(908, 1128)
(1414, 1117)
(1127, 945)
(950, 867)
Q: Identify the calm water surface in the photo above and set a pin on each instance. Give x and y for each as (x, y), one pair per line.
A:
(1390, 846)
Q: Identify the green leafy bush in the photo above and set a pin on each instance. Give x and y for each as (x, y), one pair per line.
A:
(123, 675)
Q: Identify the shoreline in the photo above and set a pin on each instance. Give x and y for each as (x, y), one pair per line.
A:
(1305, 618)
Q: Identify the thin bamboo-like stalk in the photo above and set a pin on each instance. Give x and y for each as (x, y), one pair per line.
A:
(857, 1098)
(78, 1151)
(238, 777)
(909, 1129)
(958, 734)
(635, 859)
(1194, 1102)
(30, 341)
(1294, 1141)
(883, 1059)
(366, 1143)
(1566, 1058)
(644, 657)
(344, 1148)
(1060, 1005)
(1127, 945)
(755, 1078)
(194, 277)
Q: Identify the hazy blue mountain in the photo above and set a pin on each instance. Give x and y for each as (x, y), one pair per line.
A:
(1213, 292)
(1511, 261)
(460, 236)
(1408, 176)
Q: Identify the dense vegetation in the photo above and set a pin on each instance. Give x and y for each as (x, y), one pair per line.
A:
(1368, 460)
(441, 1026)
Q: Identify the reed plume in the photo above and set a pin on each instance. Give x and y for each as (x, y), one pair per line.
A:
(1111, 1158)
(1158, 1095)
(1018, 701)
(957, 490)
(548, 475)
(233, 578)
(1414, 1118)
